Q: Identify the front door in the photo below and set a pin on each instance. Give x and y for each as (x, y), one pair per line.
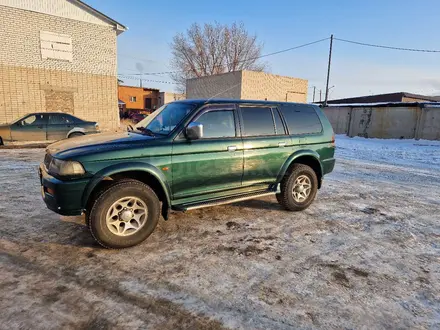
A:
(59, 125)
(212, 163)
(266, 144)
(30, 128)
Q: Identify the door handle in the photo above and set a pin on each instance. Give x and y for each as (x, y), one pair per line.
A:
(281, 144)
(232, 148)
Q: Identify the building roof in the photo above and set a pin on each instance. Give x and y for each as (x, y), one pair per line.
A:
(385, 105)
(390, 97)
(119, 27)
(136, 87)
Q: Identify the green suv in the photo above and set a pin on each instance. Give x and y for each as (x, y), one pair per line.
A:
(187, 155)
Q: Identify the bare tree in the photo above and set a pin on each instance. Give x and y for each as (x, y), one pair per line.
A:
(213, 49)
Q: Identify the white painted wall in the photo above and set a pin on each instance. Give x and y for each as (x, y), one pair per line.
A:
(60, 8)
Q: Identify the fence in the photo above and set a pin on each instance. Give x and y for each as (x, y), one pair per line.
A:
(387, 121)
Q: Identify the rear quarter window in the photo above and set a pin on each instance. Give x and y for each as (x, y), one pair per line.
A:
(301, 119)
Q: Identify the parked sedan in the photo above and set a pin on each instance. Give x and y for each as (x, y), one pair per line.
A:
(46, 126)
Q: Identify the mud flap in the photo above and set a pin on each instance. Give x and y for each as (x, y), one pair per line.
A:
(165, 211)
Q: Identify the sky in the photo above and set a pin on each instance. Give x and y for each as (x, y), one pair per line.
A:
(281, 24)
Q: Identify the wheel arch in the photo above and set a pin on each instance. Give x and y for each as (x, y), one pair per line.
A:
(145, 173)
(76, 130)
(307, 157)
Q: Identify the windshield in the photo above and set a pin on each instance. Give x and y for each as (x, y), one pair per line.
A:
(165, 119)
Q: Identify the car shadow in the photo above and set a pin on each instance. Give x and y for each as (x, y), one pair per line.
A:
(259, 204)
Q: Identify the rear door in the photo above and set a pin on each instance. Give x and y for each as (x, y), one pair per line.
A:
(214, 162)
(265, 142)
(30, 128)
(59, 125)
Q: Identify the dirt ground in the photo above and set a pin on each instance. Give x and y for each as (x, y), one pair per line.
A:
(366, 254)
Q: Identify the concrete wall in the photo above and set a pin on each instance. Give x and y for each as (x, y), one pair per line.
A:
(222, 86)
(85, 86)
(429, 124)
(339, 117)
(401, 122)
(249, 85)
(384, 122)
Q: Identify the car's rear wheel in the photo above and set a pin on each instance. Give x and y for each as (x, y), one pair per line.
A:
(298, 188)
(124, 215)
(76, 134)
(1, 141)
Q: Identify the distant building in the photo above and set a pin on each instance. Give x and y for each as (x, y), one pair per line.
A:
(139, 98)
(250, 85)
(167, 97)
(390, 97)
(58, 55)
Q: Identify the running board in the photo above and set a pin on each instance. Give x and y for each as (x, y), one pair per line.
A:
(221, 201)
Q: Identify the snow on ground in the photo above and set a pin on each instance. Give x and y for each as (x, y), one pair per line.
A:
(366, 254)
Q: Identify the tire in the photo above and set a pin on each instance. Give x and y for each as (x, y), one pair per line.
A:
(302, 197)
(1, 141)
(76, 134)
(107, 204)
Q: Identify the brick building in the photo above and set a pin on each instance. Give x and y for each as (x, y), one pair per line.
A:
(139, 98)
(167, 97)
(250, 85)
(58, 55)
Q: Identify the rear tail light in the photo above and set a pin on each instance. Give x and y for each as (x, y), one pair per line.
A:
(333, 140)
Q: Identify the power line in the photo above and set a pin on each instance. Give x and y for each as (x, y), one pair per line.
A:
(242, 61)
(389, 47)
(130, 77)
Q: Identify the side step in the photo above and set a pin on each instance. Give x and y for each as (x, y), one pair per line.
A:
(225, 200)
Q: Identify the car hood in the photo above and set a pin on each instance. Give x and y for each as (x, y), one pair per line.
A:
(96, 143)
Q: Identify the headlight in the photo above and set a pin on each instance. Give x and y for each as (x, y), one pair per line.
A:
(60, 167)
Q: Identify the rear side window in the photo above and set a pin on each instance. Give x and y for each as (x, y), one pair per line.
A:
(257, 121)
(301, 119)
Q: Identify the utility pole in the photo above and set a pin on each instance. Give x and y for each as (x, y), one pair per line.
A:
(320, 95)
(314, 89)
(328, 70)
(140, 82)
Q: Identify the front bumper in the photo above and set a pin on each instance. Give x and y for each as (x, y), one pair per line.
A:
(62, 197)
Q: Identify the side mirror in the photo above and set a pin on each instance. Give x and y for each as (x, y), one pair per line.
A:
(194, 131)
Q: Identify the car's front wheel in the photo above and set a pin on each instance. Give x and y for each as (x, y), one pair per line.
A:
(298, 188)
(124, 215)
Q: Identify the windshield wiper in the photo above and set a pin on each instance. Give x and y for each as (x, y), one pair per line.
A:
(147, 131)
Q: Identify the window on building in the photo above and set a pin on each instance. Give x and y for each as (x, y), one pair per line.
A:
(132, 98)
(257, 121)
(301, 119)
(56, 46)
(218, 124)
